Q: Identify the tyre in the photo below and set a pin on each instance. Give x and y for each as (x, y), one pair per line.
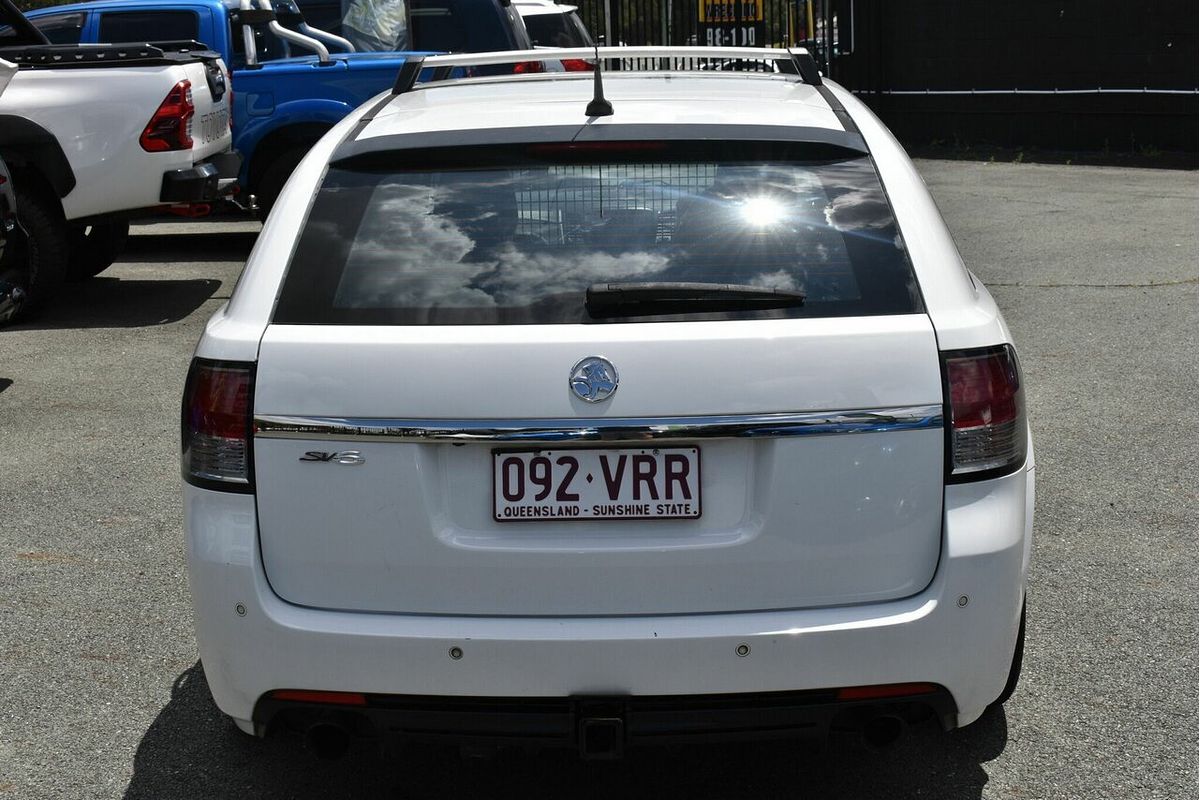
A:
(276, 175)
(46, 252)
(1014, 670)
(95, 247)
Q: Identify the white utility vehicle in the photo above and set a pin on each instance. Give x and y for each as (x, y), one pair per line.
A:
(553, 413)
(96, 133)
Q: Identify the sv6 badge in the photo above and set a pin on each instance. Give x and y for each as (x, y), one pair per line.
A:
(348, 457)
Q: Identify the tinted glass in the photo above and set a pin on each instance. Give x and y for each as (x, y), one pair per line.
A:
(267, 46)
(62, 28)
(148, 26)
(58, 28)
(519, 237)
(556, 30)
(437, 27)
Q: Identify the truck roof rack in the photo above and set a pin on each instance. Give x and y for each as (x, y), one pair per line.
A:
(793, 61)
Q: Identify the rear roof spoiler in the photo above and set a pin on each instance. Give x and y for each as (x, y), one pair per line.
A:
(376, 151)
(792, 61)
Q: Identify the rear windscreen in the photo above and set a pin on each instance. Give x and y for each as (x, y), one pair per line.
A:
(519, 235)
(557, 30)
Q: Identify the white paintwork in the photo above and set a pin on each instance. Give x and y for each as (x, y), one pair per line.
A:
(869, 622)
(925, 637)
(97, 115)
(533, 8)
(788, 523)
(7, 70)
(712, 98)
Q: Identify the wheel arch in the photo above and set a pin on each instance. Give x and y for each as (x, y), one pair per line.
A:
(279, 141)
(27, 146)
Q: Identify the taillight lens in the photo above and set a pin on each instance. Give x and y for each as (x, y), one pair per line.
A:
(171, 126)
(987, 412)
(577, 65)
(524, 67)
(217, 424)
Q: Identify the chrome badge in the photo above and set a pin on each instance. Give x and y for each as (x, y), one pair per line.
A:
(594, 379)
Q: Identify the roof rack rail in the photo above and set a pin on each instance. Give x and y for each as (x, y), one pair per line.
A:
(793, 61)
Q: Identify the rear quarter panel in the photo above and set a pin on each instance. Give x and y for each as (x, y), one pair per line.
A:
(963, 313)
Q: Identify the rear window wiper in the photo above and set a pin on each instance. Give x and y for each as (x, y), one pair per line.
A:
(682, 297)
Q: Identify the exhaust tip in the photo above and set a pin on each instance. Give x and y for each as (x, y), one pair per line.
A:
(327, 741)
(882, 731)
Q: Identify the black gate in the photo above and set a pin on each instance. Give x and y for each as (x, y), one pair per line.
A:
(752, 23)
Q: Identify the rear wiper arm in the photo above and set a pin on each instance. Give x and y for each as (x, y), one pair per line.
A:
(673, 294)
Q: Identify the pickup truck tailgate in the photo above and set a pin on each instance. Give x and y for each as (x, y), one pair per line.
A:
(210, 96)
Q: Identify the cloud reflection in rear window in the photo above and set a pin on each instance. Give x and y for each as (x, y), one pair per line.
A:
(522, 243)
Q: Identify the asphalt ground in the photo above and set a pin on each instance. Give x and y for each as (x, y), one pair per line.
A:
(102, 695)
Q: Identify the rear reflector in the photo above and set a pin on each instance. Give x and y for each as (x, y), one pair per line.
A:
(171, 126)
(217, 405)
(885, 690)
(329, 698)
(987, 415)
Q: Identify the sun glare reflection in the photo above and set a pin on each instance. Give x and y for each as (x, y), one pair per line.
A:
(761, 212)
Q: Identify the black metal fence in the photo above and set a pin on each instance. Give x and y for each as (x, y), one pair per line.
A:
(750, 23)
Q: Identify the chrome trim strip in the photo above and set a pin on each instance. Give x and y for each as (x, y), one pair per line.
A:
(557, 431)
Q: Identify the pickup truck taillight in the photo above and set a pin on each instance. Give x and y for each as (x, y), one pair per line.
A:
(171, 126)
(526, 67)
(987, 434)
(217, 425)
(576, 65)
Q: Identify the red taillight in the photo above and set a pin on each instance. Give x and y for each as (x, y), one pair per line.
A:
(525, 67)
(577, 65)
(330, 698)
(171, 126)
(217, 424)
(987, 419)
(881, 691)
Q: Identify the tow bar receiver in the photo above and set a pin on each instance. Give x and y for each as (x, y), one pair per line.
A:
(601, 729)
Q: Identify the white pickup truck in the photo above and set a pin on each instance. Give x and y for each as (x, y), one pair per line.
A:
(95, 134)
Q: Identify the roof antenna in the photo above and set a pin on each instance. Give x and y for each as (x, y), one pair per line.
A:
(599, 107)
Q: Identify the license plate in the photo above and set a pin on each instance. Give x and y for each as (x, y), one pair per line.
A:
(612, 483)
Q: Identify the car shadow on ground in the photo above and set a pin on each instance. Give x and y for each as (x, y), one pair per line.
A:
(200, 245)
(104, 302)
(192, 750)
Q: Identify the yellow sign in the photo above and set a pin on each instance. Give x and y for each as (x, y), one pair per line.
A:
(713, 12)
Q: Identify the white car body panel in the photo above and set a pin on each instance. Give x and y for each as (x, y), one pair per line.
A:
(774, 533)
(98, 130)
(953, 620)
(7, 70)
(926, 637)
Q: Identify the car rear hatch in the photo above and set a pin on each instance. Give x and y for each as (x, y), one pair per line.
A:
(447, 422)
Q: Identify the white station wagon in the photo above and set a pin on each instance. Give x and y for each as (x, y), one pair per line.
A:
(549, 418)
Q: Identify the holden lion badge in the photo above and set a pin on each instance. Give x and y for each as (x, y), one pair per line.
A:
(594, 379)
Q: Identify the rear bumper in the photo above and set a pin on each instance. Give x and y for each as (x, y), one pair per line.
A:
(602, 727)
(209, 180)
(958, 633)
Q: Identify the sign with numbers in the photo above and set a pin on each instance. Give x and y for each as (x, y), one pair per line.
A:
(731, 24)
